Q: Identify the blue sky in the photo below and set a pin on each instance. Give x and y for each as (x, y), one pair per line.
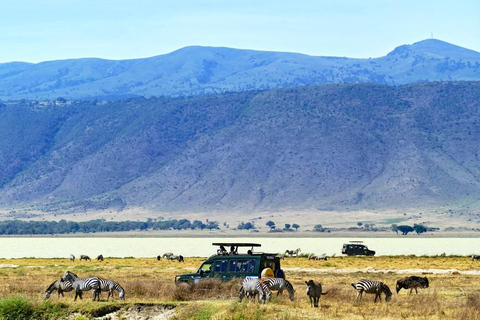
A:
(35, 31)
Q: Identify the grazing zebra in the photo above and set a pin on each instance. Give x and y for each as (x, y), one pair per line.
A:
(84, 257)
(100, 258)
(475, 257)
(61, 287)
(167, 254)
(293, 253)
(374, 287)
(411, 283)
(72, 258)
(174, 257)
(80, 285)
(250, 288)
(110, 285)
(279, 284)
(313, 257)
(314, 292)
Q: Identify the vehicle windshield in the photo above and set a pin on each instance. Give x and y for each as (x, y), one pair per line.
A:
(206, 267)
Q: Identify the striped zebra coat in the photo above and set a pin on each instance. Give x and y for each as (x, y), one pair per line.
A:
(250, 288)
(411, 283)
(60, 287)
(314, 292)
(373, 287)
(279, 284)
(80, 285)
(110, 285)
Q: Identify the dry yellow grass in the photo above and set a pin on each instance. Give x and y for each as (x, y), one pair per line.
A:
(451, 294)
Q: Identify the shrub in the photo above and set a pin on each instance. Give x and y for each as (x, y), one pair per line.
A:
(16, 308)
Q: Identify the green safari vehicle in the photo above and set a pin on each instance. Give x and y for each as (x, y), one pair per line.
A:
(227, 265)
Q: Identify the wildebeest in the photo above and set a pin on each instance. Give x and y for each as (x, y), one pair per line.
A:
(293, 253)
(411, 283)
(314, 292)
(313, 257)
(167, 254)
(475, 257)
(159, 258)
(72, 258)
(85, 257)
(175, 257)
(100, 258)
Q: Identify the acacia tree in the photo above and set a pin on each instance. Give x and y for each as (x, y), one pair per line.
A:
(271, 224)
(405, 229)
(295, 226)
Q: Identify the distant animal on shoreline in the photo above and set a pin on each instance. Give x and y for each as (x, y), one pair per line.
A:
(84, 257)
(174, 257)
(72, 258)
(411, 283)
(100, 258)
(293, 253)
(313, 257)
(314, 292)
(60, 287)
(475, 257)
(167, 254)
(159, 258)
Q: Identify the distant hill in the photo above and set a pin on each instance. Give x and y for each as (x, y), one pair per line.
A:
(205, 70)
(325, 146)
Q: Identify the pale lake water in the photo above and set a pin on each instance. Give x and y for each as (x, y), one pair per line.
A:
(60, 247)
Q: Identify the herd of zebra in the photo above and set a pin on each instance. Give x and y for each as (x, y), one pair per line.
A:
(71, 282)
(263, 287)
(171, 256)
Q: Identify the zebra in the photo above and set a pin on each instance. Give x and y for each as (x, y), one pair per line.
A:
(80, 285)
(84, 257)
(72, 258)
(61, 287)
(279, 284)
(313, 257)
(250, 288)
(174, 257)
(314, 292)
(374, 287)
(293, 252)
(411, 283)
(167, 254)
(110, 285)
(100, 258)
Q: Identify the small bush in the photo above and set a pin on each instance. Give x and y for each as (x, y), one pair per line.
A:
(16, 308)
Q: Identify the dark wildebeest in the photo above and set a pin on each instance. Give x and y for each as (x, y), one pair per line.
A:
(411, 283)
(84, 257)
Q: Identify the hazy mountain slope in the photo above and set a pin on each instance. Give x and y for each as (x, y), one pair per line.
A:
(336, 145)
(204, 70)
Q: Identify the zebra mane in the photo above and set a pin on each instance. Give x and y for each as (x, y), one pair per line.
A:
(386, 289)
(52, 286)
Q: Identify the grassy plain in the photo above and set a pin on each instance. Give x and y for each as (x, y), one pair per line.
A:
(454, 288)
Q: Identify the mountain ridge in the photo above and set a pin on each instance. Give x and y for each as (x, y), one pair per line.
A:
(361, 145)
(198, 70)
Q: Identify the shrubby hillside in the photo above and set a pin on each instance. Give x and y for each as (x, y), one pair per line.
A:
(206, 70)
(327, 146)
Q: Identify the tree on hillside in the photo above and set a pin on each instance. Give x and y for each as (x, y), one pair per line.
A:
(318, 228)
(405, 229)
(287, 226)
(271, 224)
(419, 228)
(295, 226)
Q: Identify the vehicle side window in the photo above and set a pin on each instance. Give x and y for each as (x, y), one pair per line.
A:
(206, 267)
(221, 266)
(242, 265)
